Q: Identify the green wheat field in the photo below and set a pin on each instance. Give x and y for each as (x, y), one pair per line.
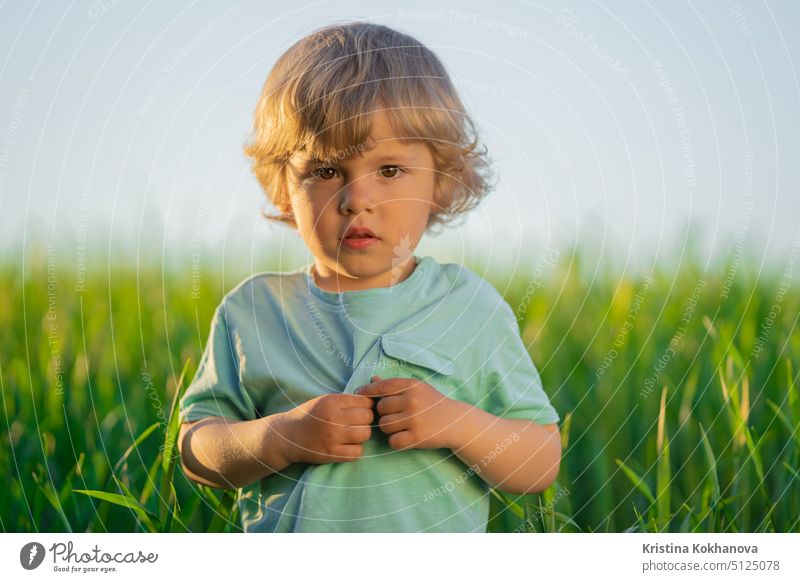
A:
(677, 388)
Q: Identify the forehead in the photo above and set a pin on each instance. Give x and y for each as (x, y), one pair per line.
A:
(383, 140)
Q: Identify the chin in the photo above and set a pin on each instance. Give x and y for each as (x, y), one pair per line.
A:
(361, 267)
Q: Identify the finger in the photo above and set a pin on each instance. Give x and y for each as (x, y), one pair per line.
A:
(355, 401)
(392, 423)
(348, 452)
(402, 440)
(357, 434)
(390, 405)
(381, 388)
(357, 416)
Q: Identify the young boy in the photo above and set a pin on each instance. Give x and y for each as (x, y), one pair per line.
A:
(371, 390)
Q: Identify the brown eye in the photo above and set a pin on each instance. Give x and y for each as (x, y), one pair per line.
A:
(394, 171)
(324, 173)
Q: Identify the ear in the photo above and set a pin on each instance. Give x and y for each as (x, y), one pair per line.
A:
(284, 204)
(288, 218)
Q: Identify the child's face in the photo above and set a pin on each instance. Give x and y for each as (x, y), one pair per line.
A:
(387, 186)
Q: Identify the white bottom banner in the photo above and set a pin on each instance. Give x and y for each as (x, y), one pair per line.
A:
(397, 556)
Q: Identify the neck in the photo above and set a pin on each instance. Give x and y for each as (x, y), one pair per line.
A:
(330, 280)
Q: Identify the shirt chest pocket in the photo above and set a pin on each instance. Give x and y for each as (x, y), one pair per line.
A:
(403, 357)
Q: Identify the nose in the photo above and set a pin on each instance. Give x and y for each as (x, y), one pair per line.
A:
(356, 196)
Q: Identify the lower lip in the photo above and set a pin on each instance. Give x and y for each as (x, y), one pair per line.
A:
(359, 243)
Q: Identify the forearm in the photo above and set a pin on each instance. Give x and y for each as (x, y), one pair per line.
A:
(513, 455)
(233, 454)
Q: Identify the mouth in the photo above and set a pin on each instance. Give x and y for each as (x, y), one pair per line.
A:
(359, 237)
(358, 232)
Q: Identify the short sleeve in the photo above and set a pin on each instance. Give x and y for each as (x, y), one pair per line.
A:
(510, 379)
(216, 389)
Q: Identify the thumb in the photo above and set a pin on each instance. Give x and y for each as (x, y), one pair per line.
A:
(361, 389)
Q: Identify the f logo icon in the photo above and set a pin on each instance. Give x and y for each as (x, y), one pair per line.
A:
(31, 555)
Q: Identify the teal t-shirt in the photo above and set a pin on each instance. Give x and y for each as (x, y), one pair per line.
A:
(278, 340)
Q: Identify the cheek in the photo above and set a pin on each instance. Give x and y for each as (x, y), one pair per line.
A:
(410, 214)
(313, 214)
(301, 208)
(424, 191)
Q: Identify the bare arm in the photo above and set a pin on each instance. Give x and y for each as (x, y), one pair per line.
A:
(230, 454)
(514, 455)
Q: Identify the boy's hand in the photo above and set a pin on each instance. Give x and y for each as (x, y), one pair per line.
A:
(413, 413)
(328, 429)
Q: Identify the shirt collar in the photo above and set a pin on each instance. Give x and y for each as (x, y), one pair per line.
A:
(365, 298)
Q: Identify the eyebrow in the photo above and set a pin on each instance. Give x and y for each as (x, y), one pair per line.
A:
(383, 158)
(397, 158)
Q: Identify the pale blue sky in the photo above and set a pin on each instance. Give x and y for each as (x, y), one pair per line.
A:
(611, 123)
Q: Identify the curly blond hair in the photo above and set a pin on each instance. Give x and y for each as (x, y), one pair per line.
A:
(321, 92)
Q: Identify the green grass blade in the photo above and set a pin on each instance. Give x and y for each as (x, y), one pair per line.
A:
(170, 446)
(513, 506)
(49, 493)
(139, 440)
(637, 481)
(223, 516)
(663, 473)
(793, 432)
(122, 501)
